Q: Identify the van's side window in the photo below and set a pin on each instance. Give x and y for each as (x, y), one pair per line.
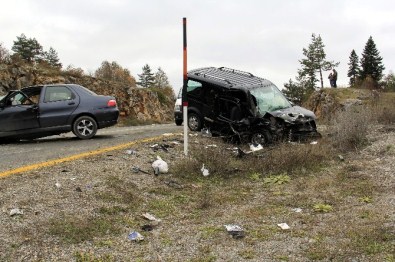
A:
(194, 88)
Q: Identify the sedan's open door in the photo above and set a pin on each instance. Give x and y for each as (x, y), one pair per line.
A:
(18, 112)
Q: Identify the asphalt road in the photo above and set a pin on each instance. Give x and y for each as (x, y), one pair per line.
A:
(30, 152)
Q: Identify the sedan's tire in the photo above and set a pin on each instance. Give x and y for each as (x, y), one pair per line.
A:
(178, 122)
(194, 122)
(85, 127)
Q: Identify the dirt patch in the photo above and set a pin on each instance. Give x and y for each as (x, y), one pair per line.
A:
(85, 210)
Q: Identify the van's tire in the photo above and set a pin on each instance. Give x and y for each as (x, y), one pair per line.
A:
(178, 122)
(262, 137)
(84, 127)
(194, 122)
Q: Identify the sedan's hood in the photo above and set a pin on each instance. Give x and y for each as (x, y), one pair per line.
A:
(295, 113)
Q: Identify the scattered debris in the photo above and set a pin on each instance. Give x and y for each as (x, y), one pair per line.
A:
(176, 143)
(205, 171)
(211, 146)
(206, 132)
(164, 147)
(283, 226)
(148, 216)
(78, 189)
(314, 143)
(147, 228)
(160, 166)
(136, 169)
(193, 135)
(235, 231)
(135, 236)
(341, 158)
(297, 210)
(131, 152)
(174, 184)
(16, 212)
(168, 134)
(58, 185)
(155, 221)
(257, 147)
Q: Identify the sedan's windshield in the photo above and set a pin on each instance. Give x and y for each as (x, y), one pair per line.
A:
(1, 97)
(269, 98)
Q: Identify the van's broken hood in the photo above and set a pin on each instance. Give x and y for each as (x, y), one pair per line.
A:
(294, 114)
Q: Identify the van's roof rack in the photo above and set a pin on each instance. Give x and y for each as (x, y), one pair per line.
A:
(228, 77)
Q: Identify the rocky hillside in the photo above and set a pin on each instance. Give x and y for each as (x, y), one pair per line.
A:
(325, 102)
(135, 103)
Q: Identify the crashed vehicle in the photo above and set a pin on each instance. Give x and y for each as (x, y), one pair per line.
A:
(239, 105)
(45, 110)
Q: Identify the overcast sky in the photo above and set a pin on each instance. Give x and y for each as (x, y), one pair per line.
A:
(263, 37)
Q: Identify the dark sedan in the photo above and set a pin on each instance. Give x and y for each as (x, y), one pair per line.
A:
(45, 110)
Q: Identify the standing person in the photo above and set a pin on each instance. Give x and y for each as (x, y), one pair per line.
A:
(330, 77)
(334, 77)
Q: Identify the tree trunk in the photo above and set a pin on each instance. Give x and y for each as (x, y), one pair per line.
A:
(322, 82)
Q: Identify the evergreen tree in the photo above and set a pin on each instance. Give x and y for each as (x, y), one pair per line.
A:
(161, 80)
(353, 69)
(294, 92)
(29, 49)
(51, 57)
(371, 61)
(315, 61)
(147, 77)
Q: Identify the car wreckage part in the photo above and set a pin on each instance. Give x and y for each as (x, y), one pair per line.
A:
(85, 127)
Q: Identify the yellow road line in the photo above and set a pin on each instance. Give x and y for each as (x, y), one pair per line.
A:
(75, 157)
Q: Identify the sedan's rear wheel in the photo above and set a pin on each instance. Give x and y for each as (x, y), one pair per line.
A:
(85, 127)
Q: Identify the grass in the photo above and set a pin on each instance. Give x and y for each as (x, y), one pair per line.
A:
(341, 216)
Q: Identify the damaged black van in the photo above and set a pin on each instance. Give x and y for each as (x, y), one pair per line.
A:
(239, 105)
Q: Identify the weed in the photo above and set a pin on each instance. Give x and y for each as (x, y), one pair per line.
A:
(90, 257)
(323, 208)
(255, 176)
(77, 230)
(211, 231)
(248, 253)
(366, 199)
(277, 180)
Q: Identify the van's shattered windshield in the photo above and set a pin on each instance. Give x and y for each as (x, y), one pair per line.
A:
(269, 98)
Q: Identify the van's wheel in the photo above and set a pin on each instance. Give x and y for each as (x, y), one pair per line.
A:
(85, 127)
(178, 122)
(194, 122)
(262, 137)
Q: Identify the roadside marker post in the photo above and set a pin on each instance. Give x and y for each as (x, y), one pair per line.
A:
(184, 87)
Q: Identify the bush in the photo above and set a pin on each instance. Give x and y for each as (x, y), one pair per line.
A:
(350, 128)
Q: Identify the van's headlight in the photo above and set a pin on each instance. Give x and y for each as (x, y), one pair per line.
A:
(177, 108)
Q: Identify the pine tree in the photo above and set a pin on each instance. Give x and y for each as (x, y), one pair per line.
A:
(371, 61)
(28, 48)
(353, 70)
(51, 57)
(147, 77)
(161, 80)
(314, 61)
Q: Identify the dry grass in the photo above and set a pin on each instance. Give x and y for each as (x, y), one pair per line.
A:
(345, 210)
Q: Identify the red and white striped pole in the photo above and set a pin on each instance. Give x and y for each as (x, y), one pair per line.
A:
(184, 87)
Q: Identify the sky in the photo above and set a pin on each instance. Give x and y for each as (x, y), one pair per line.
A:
(265, 38)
